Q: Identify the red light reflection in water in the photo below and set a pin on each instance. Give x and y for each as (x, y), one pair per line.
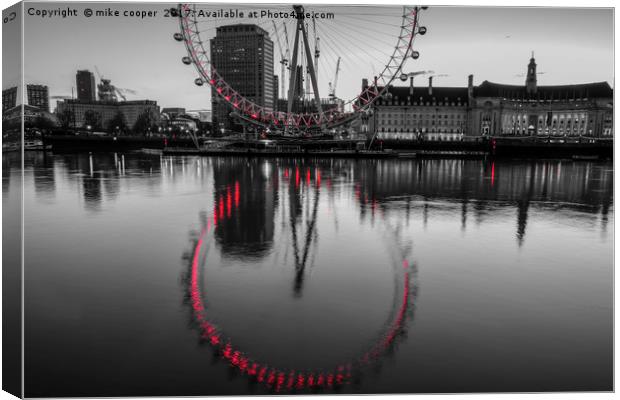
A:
(228, 202)
(274, 378)
(493, 173)
(236, 194)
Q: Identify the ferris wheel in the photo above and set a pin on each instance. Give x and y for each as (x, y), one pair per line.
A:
(317, 47)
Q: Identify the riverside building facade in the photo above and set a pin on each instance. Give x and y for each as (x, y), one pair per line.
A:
(106, 111)
(38, 96)
(492, 109)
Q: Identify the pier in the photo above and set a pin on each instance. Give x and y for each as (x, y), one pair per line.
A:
(494, 147)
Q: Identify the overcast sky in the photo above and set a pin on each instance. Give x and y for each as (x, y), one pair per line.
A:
(570, 45)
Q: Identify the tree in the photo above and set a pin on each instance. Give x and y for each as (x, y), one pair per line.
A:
(117, 123)
(144, 123)
(66, 118)
(92, 119)
(42, 122)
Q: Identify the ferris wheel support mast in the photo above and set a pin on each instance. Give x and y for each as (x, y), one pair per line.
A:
(198, 56)
(299, 11)
(292, 76)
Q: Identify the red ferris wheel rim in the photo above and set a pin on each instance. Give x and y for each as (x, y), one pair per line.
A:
(362, 102)
(273, 377)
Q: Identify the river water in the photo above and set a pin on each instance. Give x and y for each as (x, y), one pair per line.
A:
(151, 275)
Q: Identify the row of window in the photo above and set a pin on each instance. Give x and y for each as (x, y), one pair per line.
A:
(421, 130)
(427, 136)
(420, 103)
(433, 116)
(389, 122)
(552, 132)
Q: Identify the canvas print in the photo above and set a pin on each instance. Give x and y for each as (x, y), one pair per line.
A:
(208, 199)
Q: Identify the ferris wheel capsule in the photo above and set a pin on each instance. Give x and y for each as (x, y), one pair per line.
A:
(294, 121)
(186, 60)
(404, 77)
(424, 7)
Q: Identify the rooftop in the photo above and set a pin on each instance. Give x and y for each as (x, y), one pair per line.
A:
(583, 90)
(421, 94)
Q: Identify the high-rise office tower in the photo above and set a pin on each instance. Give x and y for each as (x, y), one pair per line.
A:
(85, 83)
(243, 56)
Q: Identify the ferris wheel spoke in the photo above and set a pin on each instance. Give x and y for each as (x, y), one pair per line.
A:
(348, 37)
(361, 27)
(332, 41)
(352, 35)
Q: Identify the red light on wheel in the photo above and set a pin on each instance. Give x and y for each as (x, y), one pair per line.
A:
(275, 378)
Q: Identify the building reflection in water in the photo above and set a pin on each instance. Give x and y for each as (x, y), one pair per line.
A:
(491, 186)
(43, 174)
(302, 187)
(250, 233)
(250, 204)
(252, 190)
(481, 187)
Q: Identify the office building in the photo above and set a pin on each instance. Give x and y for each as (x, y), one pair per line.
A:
(38, 96)
(9, 98)
(492, 109)
(106, 111)
(242, 55)
(85, 83)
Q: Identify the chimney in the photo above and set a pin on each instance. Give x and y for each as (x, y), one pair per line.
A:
(470, 87)
(430, 85)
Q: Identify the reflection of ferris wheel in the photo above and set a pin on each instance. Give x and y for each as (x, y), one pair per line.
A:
(313, 51)
(295, 377)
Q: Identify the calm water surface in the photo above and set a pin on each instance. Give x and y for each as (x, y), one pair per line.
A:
(388, 276)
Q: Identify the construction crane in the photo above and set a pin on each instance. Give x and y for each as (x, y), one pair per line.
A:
(109, 92)
(283, 57)
(438, 76)
(523, 75)
(98, 73)
(121, 92)
(412, 75)
(332, 88)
